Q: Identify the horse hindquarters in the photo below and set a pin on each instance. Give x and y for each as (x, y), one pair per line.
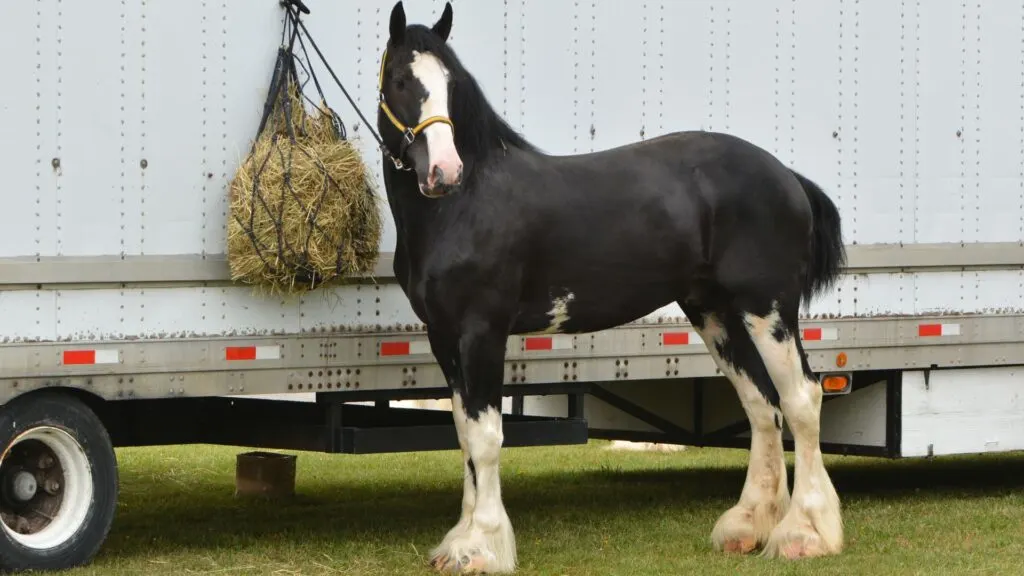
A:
(749, 321)
(762, 358)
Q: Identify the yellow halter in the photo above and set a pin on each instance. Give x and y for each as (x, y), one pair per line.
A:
(409, 133)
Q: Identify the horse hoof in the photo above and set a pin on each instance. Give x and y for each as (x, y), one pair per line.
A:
(740, 545)
(463, 564)
(796, 544)
(802, 547)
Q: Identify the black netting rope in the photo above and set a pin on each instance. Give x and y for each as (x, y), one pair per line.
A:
(278, 104)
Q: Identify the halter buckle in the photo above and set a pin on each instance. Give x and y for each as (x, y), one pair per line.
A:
(410, 136)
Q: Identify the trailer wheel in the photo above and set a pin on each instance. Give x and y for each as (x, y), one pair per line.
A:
(58, 483)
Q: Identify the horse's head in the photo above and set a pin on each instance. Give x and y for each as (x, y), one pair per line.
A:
(415, 88)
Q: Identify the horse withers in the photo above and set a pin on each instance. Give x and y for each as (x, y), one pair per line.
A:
(496, 238)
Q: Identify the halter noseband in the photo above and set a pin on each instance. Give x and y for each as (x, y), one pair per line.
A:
(409, 133)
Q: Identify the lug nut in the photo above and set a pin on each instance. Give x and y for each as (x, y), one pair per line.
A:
(51, 486)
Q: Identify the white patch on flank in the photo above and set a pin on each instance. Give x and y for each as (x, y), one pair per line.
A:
(765, 495)
(559, 314)
(813, 525)
(487, 543)
(432, 74)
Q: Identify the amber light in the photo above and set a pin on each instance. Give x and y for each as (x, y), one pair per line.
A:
(835, 383)
(841, 359)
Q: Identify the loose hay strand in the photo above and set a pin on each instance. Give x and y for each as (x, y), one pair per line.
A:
(303, 209)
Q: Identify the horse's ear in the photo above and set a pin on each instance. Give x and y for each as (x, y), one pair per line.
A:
(444, 26)
(397, 26)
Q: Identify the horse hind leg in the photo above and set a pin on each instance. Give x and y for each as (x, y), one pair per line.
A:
(813, 525)
(765, 495)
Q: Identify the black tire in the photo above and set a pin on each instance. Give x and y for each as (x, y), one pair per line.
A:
(30, 422)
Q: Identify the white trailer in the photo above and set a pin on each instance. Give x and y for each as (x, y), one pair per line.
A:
(122, 123)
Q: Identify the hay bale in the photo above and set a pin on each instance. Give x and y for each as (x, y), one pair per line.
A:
(303, 212)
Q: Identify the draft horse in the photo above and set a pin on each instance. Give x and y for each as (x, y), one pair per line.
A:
(496, 237)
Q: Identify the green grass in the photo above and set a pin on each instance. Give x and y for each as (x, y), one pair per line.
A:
(576, 510)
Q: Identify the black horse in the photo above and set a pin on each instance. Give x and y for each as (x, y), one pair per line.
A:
(497, 238)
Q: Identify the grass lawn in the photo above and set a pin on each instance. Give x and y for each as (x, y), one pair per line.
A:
(576, 510)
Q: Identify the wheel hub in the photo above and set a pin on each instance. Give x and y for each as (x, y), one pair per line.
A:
(31, 487)
(23, 486)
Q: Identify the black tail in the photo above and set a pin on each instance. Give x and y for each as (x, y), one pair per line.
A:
(828, 254)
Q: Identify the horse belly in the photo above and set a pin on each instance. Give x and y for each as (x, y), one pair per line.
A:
(593, 307)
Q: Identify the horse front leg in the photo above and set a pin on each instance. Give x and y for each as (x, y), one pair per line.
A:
(487, 543)
(446, 352)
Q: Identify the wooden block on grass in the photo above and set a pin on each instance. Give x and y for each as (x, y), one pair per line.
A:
(265, 474)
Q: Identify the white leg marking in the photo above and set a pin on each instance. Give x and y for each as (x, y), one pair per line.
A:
(765, 496)
(487, 542)
(434, 77)
(468, 487)
(813, 526)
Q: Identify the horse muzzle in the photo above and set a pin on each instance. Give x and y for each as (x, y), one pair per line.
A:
(441, 182)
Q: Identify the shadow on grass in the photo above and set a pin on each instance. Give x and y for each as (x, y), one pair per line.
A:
(422, 508)
(855, 477)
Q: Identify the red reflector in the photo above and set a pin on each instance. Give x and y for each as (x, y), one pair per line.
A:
(394, 348)
(675, 338)
(812, 333)
(538, 344)
(79, 357)
(929, 330)
(240, 353)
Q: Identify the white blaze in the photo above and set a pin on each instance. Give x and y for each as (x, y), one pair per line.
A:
(432, 74)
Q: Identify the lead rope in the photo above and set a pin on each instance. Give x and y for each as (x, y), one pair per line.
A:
(292, 8)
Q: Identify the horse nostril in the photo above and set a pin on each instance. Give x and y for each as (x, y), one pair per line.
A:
(437, 174)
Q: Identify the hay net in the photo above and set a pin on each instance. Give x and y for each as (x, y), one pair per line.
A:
(303, 208)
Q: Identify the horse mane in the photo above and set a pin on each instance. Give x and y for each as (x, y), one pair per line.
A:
(479, 129)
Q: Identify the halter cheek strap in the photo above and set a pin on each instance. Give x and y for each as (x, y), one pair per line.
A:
(409, 133)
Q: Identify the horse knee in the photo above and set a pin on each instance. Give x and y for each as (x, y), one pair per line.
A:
(484, 437)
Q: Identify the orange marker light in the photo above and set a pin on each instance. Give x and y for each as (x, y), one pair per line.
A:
(835, 383)
(841, 359)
